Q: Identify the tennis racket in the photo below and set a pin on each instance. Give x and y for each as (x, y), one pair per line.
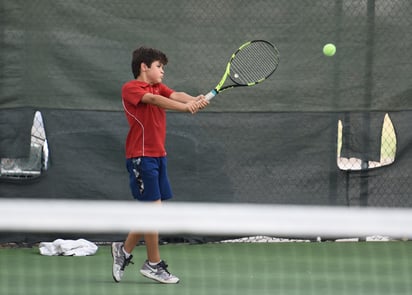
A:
(251, 64)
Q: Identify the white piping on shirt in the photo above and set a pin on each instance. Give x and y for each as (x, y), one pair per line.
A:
(137, 120)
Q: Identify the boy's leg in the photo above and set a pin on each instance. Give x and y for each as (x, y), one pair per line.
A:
(152, 247)
(152, 243)
(154, 268)
(131, 241)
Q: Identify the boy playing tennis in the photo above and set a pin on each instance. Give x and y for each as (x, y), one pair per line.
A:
(145, 100)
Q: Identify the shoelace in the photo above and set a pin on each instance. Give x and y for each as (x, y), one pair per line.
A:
(164, 266)
(126, 262)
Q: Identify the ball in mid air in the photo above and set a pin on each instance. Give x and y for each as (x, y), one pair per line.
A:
(329, 49)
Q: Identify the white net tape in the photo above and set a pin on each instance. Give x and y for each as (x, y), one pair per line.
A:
(203, 218)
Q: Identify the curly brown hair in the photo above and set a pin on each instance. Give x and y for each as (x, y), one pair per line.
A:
(147, 56)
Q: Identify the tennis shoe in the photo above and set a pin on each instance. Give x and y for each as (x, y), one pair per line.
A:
(158, 273)
(119, 261)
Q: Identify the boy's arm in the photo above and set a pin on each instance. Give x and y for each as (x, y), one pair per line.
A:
(191, 106)
(184, 97)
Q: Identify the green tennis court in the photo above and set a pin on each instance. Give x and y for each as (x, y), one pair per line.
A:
(233, 268)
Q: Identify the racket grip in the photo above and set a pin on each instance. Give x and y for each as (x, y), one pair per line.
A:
(210, 95)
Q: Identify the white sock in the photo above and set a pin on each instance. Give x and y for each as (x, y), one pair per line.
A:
(154, 263)
(125, 253)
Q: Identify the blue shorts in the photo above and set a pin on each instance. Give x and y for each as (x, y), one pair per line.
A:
(148, 178)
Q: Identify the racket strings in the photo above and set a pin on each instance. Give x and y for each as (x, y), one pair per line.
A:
(254, 63)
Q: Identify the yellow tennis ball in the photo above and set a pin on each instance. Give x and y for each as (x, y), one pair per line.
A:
(329, 49)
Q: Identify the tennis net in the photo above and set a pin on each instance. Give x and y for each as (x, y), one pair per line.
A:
(213, 248)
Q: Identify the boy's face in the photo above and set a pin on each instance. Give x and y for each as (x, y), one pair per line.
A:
(155, 72)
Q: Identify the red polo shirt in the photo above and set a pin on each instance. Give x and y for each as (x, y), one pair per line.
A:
(147, 122)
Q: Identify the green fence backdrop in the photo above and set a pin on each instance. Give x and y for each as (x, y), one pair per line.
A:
(277, 142)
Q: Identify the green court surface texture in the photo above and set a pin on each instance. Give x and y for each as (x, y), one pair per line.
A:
(232, 268)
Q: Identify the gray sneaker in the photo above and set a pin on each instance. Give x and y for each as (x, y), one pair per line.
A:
(119, 261)
(158, 273)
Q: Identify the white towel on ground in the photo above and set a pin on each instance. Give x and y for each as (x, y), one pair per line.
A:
(80, 247)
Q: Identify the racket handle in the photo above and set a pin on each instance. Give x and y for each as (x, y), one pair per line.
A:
(210, 95)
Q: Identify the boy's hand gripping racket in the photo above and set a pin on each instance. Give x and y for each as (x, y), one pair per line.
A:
(251, 64)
